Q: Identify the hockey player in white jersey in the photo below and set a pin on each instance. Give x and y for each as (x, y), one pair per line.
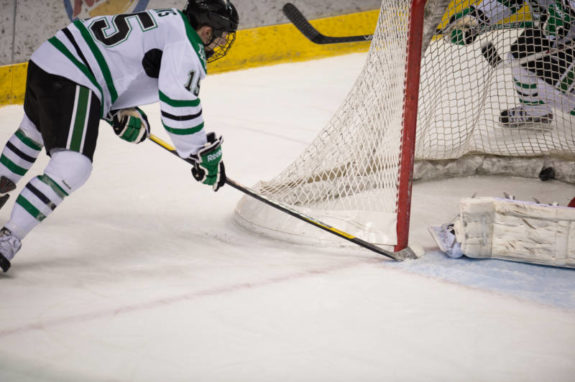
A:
(104, 68)
(543, 83)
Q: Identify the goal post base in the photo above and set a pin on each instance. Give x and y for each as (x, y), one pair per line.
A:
(407, 254)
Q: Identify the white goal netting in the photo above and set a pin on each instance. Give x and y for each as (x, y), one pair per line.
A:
(348, 176)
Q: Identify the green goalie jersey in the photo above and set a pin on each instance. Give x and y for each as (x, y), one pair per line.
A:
(136, 59)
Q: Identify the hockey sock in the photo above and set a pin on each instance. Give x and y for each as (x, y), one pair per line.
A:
(66, 172)
(525, 85)
(21, 151)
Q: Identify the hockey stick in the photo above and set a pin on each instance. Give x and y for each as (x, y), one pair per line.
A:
(494, 59)
(300, 22)
(488, 28)
(303, 25)
(488, 49)
(401, 255)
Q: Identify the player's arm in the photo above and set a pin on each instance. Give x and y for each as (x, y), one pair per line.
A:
(466, 25)
(129, 124)
(181, 72)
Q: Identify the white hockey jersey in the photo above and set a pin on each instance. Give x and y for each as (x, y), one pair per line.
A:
(136, 59)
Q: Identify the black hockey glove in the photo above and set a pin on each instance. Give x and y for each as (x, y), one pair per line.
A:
(130, 124)
(208, 166)
(466, 25)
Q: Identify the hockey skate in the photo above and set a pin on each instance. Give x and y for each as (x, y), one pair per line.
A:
(9, 245)
(519, 117)
(444, 237)
(6, 186)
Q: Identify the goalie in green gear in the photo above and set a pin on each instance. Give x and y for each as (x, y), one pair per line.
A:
(543, 83)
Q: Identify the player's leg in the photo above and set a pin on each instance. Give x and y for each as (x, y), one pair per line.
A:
(532, 110)
(66, 172)
(23, 147)
(68, 120)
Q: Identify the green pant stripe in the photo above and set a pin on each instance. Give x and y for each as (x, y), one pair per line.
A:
(53, 185)
(79, 119)
(179, 103)
(12, 166)
(29, 207)
(27, 141)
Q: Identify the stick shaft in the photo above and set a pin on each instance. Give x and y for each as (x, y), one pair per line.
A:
(302, 24)
(287, 209)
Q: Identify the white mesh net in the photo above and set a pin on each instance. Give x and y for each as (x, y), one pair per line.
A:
(348, 176)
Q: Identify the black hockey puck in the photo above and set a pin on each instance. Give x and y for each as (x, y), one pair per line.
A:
(547, 173)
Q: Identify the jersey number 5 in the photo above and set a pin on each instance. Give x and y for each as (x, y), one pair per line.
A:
(121, 27)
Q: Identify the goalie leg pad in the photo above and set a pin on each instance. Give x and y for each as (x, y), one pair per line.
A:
(517, 230)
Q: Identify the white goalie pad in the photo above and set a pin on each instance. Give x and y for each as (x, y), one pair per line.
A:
(517, 230)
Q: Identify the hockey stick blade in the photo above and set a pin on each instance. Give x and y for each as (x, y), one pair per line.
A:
(302, 24)
(401, 255)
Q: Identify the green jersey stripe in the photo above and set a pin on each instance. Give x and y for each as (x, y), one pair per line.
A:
(195, 41)
(178, 103)
(99, 58)
(83, 68)
(189, 131)
(30, 208)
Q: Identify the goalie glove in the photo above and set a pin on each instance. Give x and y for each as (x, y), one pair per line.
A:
(208, 166)
(130, 124)
(466, 26)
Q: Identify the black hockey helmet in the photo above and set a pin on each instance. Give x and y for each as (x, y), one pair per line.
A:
(221, 15)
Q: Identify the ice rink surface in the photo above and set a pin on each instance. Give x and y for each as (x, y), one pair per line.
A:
(143, 275)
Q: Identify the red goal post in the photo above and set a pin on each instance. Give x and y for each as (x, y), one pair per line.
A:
(423, 107)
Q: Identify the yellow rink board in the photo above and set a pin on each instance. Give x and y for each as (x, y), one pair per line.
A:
(253, 47)
(269, 45)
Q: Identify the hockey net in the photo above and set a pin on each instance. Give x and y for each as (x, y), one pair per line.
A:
(355, 174)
